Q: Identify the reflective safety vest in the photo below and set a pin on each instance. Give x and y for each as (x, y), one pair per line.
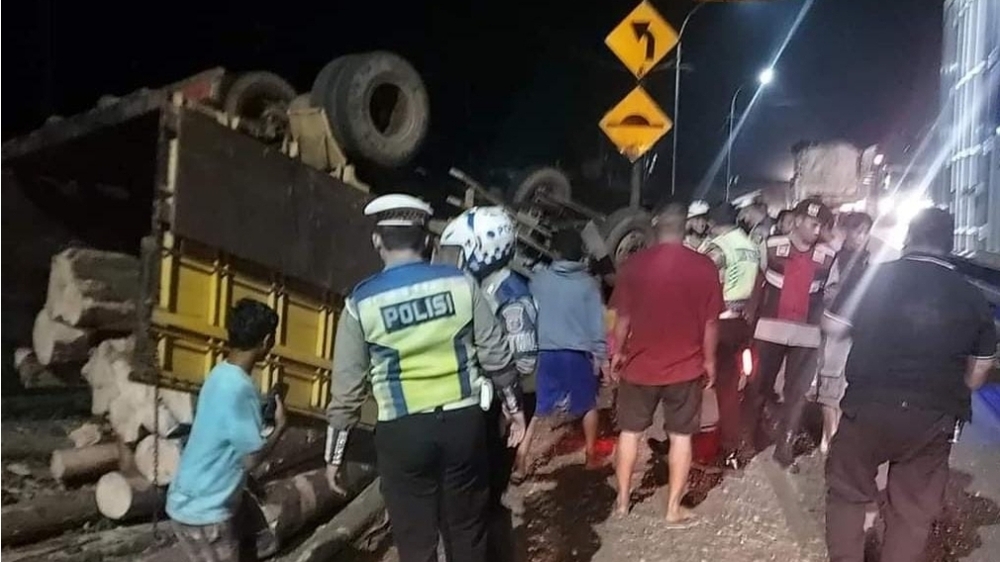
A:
(417, 320)
(742, 264)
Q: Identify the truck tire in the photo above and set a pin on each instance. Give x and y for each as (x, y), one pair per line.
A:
(549, 181)
(626, 231)
(252, 93)
(262, 98)
(324, 80)
(378, 108)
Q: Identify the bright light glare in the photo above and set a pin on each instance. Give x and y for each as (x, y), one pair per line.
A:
(766, 76)
(746, 362)
(905, 211)
(879, 158)
(886, 204)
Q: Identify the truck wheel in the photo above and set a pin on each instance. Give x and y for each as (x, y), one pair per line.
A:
(328, 75)
(627, 231)
(261, 97)
(549, 182)
(378, 108)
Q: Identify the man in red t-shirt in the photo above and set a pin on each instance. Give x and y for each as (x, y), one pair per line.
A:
(667, 300)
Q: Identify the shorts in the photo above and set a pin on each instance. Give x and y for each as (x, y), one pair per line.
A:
(832, 381)
(565, 382)
(681, 406)
(218, 542)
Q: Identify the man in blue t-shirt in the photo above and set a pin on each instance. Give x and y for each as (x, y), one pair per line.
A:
(227, 440)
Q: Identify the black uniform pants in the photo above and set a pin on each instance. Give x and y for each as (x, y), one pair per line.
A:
(801, 364)
(500, 533)
(734, 334)
(435, 480)
(916, 445)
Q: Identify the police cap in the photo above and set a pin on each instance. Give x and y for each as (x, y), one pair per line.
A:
(815, 209)
(399, 209)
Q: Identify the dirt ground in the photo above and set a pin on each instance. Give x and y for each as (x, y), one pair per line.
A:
(563, 513)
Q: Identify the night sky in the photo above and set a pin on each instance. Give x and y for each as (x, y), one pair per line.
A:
(513, 83)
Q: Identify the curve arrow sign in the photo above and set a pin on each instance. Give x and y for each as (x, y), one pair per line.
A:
(641, 30)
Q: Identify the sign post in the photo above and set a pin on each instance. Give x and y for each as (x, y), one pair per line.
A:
(636, 123)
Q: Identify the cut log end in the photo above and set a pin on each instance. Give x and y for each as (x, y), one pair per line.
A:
(94, 288)
(166, 459)
(58, 343)
(121, 497)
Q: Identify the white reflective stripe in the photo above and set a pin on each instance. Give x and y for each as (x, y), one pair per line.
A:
(464, 403)
(930, 259)
(774, 278)
(778, 280)
(786, 332)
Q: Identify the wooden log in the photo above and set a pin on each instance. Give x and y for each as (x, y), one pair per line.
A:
(297, 447)
(121, 497)
(46, 516)
(90, 547)
(290, 505)
(58, 343)
(34, 375)
(166, 459)
(95, 289)
(124, 419)
(346, 526)
(107, 366)
(86, 435)
(85, 464)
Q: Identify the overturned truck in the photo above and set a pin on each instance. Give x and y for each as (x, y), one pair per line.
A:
(220, 188)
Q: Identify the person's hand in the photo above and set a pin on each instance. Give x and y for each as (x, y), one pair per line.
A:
(606, 374)
(279, 414)
(516, 428)
(617, 362)
(334, 476)
(709, 374)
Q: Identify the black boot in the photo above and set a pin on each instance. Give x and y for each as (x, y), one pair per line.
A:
(784, 452)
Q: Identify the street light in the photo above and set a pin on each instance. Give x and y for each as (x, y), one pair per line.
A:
(677, 99)
(765, 77)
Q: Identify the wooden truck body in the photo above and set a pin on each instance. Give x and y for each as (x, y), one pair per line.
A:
(215, 215)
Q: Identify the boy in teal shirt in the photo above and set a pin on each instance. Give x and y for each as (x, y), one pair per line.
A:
(227, 440)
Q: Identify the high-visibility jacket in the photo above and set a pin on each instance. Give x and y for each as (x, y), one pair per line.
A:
(742, 262)
(417, 321)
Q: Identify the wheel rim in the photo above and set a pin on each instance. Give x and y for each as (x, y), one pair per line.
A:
(631, 243)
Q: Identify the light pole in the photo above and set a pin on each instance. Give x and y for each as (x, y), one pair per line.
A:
(764, 78)
(677, 99)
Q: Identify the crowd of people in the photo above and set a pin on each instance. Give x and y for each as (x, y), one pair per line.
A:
(444, 345)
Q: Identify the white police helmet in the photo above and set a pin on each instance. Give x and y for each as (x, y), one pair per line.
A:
(486, 236)
(697, 209)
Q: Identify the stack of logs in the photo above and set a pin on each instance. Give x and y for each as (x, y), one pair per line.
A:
(85, 330)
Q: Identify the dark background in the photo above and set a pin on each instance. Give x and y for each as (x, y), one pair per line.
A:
(515, 83)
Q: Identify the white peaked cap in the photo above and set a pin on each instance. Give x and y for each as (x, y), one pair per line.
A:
(697, 209)
(399, 209)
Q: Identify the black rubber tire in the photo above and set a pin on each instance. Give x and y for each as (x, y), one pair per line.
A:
(390, 135)
(552, 180)
(251, 93)
(323, 83)
(623, 230)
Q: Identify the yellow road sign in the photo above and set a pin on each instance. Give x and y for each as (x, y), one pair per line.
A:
(642, 39)
(635, 124)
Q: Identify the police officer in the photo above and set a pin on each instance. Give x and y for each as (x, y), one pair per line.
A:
(424, 338)
(737, 258)
(697, 225)
(482, 241)
(788, 302)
